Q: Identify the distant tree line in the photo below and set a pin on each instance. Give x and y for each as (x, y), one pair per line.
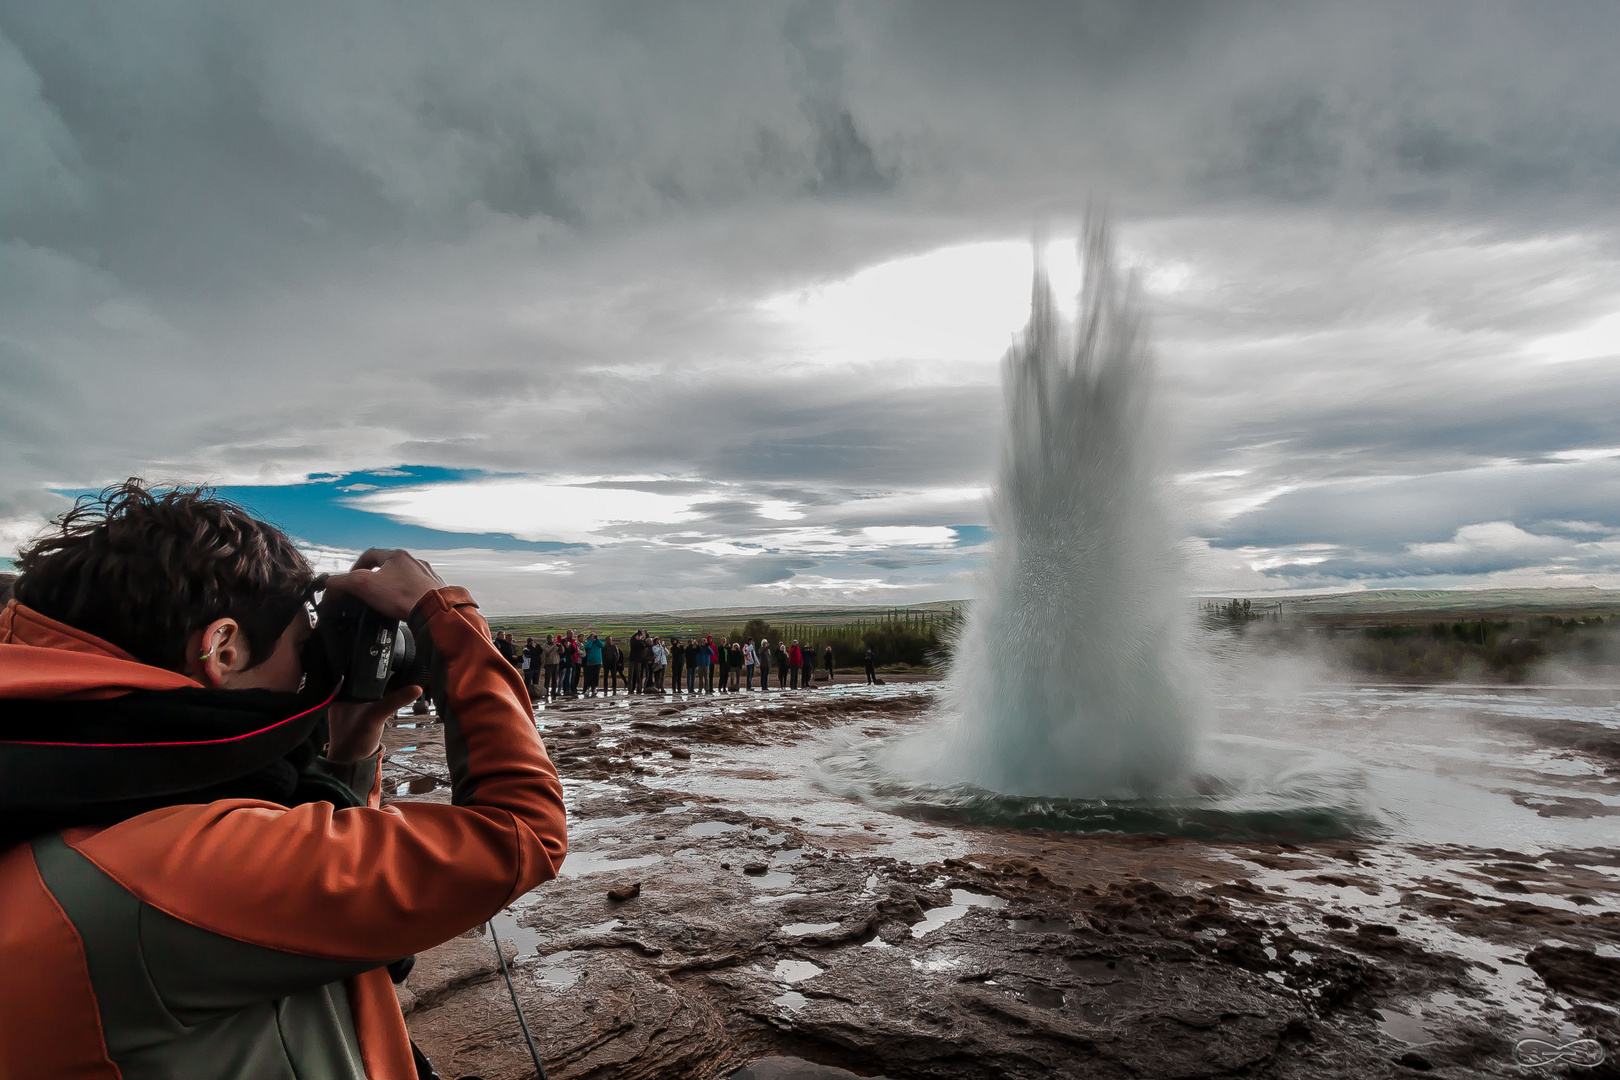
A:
(1237, 613)
(1505, 649)
(899, 636)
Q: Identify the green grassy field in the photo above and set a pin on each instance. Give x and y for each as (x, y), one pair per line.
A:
(1346, 608)
(1422, 635)
(799, 621)
(1412, 635)
(1454, 603)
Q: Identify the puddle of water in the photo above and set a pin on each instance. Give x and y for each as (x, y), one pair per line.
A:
(603, 824)
(792, 1068)
(1403, 1026)
(710, 828)
(877, 943)
(405, 725)
(800, 928)
(961, 901)
(1042, 997)
(795, 971)
(1039, 926)
(554, 970)
(604, 928)
(580, 863)
(792, 1000)
(681, 809)
(777, 898)
(772, 880)
(526, 938)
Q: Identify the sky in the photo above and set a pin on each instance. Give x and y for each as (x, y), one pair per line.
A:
(638, 306)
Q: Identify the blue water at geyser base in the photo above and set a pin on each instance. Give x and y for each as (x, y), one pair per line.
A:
(1282, 792)
(1074, 701)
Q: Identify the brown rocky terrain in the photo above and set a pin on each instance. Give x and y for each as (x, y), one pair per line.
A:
(693, 934)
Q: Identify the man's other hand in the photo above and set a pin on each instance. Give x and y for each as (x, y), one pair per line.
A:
(392, 582)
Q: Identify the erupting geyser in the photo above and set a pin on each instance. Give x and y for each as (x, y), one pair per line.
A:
(1069, 677)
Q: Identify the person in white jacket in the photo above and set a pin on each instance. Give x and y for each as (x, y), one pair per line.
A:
(750, 659)
(660, 657)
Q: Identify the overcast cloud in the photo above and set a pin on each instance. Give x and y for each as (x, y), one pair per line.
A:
(667, 304)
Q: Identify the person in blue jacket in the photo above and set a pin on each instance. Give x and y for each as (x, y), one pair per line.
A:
(705, 665)
(593, 663)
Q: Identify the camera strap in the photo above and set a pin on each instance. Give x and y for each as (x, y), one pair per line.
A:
(144, 744)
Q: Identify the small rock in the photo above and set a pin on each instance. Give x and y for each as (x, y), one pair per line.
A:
(624, 892)
(1336, 922)
(660, 836)
(756, 869)
(725, 866)
(1414, 1060)
(681, 753)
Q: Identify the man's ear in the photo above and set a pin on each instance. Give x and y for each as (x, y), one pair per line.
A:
(217, 653)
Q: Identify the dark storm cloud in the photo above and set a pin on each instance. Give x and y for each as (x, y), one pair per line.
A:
(252, 242)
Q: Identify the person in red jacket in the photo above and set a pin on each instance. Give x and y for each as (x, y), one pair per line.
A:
(795, 659)
(242, 926)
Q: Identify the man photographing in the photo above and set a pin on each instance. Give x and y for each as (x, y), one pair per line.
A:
(194, 881)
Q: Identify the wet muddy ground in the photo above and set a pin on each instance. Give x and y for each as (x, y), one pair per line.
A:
(720, 911)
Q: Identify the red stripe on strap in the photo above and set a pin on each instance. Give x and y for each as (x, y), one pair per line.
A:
(194, 742)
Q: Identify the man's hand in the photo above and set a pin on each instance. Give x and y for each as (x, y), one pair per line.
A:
(392, 582)
(356, 727)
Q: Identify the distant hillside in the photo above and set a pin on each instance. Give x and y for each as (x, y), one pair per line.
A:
(707, 620)
(1407, 603)
(1450, 603)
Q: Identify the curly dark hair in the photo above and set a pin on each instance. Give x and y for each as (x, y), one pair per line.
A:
(144, 569)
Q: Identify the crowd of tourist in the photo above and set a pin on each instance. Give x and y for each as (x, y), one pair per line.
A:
(577, 663)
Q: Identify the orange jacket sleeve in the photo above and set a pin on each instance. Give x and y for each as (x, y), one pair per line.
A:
(368, 883)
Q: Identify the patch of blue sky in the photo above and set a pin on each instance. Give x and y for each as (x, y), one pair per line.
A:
(317, 512)
(971, 535)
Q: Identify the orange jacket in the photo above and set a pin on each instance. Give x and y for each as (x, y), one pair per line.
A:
(352, 888)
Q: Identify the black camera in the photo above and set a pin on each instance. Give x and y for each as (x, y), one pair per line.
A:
(361, 648)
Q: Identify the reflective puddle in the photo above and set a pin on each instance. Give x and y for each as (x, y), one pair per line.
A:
(799, 928)
(580, 863)
(961, 901)
(794, 971)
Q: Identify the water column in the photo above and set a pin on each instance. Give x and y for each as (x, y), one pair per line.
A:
(1070, 676)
